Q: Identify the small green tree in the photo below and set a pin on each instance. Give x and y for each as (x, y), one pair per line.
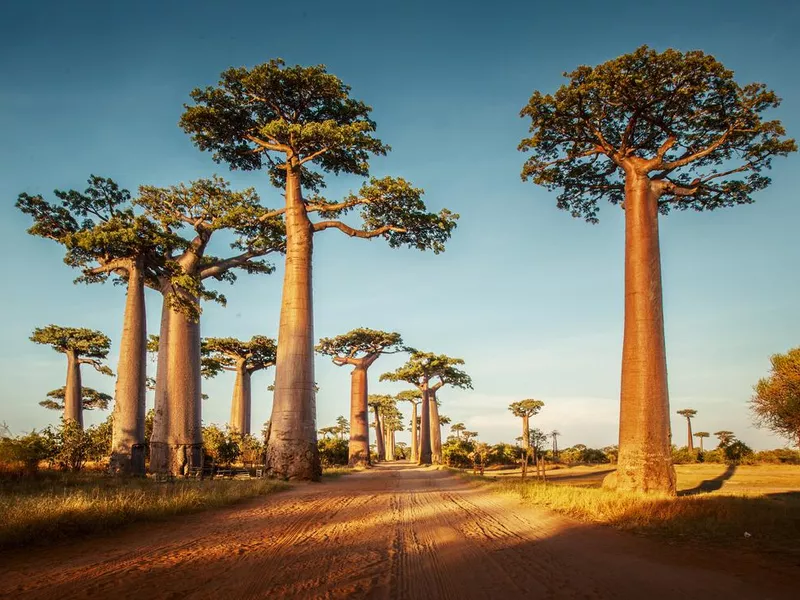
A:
(299, 123)
(360, 348)
(457, 428)
(651, 131)
(725, 437)
(90, 399)
(776, 402)
(82, 347)
(342, 426)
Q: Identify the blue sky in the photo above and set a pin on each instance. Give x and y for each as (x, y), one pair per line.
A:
(528, 296)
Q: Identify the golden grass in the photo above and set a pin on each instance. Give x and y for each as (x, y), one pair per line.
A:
(757, 508)
(68, 505)
(334, 472)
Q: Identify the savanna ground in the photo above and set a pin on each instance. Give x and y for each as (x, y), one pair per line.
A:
(400, 531)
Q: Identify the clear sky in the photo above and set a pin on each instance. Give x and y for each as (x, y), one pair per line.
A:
(529, 297)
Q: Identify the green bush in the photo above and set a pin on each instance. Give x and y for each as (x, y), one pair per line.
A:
(456, 453)
(332, 451)
(682, 456)
(738, 453)
(504, 454)
(25, 452)
(221, 445)
(778, 456)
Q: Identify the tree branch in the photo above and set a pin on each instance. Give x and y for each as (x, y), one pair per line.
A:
(359, 233)
(314, 155)
(267, 145)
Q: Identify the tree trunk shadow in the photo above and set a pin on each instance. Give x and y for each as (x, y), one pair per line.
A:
(710, 485)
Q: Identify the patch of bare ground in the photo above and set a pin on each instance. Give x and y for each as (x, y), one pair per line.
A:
(395, 531)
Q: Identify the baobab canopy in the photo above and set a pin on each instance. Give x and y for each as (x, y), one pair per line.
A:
(692, 128)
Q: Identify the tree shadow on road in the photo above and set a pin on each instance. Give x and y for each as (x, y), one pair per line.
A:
(710, 485)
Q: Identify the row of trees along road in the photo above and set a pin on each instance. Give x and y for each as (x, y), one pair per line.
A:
(297, 124)
(649, 131)
(652, 132)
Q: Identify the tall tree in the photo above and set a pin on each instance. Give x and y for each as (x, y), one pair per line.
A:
(525, 409)
(197, 211)
(429, 372)
(414, 397)
(343, 426)
(776, 402)
(700, 435)
(359, 348)
(82, 347)
(105, 238)
(689, 414)
(392, 420)
(554, 435)
(299, 123)
(91, 399)
(468, 435)
(377, 401)
(448, 375)
(457, 428)
(244, 359)
(725, 437)
(650, 131)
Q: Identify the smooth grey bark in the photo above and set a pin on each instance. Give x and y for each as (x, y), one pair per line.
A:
(73, 392)
(159, 449)
(436, 430)
(380, 449)
(242, 399)
(425, 454)
(358, 444)
(127, 438)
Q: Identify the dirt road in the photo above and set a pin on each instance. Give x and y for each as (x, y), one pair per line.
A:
(393, 532)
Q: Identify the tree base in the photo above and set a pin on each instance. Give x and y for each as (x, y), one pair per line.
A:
(184, 457)
(159, 457)
(122, 463)
(358, 459)
(654, 477)
(293, 460)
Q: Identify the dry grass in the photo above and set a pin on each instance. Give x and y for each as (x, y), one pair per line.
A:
(718, 504)
(65, 505)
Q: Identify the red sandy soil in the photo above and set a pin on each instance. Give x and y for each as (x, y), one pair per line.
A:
(396, 531)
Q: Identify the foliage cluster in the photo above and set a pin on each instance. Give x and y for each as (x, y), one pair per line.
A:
(332, 451)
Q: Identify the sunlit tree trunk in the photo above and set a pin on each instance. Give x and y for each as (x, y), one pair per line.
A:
(689, 429)
(645, 462)
(73, 392)
(414, 441)
(388, 437)
(242, 400)
(380, 450)
(358, 446)
(159, 450)
(436, 430)
(127, 438)
(425, 455)
(185, 436)
(292, 451)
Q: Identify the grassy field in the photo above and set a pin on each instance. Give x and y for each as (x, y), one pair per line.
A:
(63, 505)
(748, 507)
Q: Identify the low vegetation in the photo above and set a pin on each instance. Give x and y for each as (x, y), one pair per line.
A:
(57, 506)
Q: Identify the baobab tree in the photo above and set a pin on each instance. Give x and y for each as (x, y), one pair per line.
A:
(82, 347)
(377, 401)
(429, 372)
(525, 409)
(700, 435)
(555, 434)
(725, 437)
(689, 414)
(776, 401)
(343, 426)
(244, 359)
(91, 399)
(468, 435)
(414, 397)
(652, 132)
(392, 420)
(359, 348)
(105, 238)
(299, 123)
(200, 209)
(457, 428)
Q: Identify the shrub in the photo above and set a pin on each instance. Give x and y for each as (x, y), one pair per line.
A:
(456, 453)
(504, 454)
(778, 456)
(25, 452)
(221, 445)
(737, 453)
(332, 451)
(682, 456)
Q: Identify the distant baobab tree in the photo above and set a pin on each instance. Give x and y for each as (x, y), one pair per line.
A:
(650, 131)
(700, 435)
(689, 413)
(457, 428)
(725, 437)
(414, 397)
(555, 434)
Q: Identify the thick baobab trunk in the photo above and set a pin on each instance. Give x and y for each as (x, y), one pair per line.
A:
(436, 430)
(292, 451)
(689, 429)
(388, 437)
(127, 437)
(414, 441)
(185, 434)
(645, 461)
(73, 392)
(242, 400)
(425, 456)
(380, 450)
(159, 450)
(358, 446)
(526, 432)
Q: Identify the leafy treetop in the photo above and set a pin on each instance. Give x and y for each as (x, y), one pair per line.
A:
(725, 437)
(687, 412)
(422, 367)
(414, 396)
(360, 347)
(526, 408)
(90, 399)
(303, 118)
(678, 118)
(88, 345)
(776, 402)
(224, 354)
(701, 434)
